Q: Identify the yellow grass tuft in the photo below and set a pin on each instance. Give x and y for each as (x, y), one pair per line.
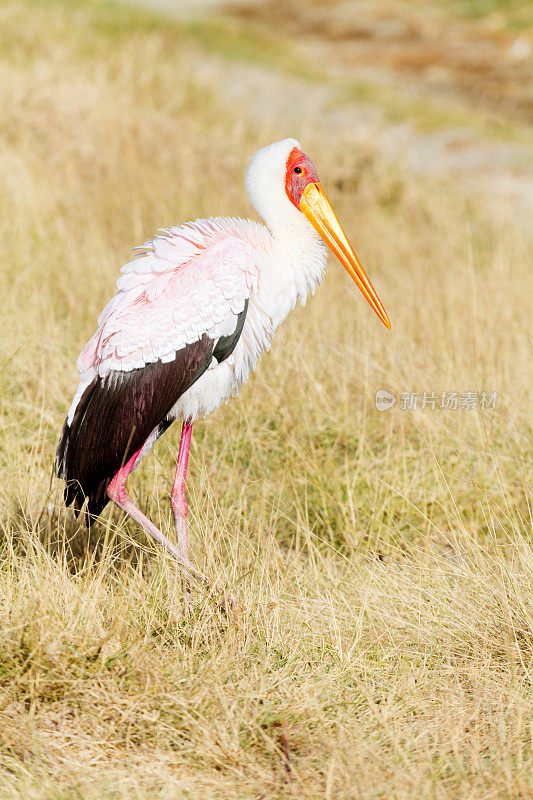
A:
(381, 561)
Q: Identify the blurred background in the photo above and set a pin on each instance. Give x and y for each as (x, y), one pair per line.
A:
(439, 86)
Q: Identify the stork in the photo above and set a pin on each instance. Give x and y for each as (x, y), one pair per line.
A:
(195, 308)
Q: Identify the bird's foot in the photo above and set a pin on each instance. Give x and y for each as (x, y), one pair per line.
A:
(224, 600)
(206, 591)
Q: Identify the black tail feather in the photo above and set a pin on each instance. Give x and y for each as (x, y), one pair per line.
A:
(84, 492)
(113, 419)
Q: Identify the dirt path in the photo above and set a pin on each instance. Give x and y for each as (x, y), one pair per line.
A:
(499, 172)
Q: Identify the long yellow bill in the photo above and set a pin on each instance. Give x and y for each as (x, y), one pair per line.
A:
(317, 208)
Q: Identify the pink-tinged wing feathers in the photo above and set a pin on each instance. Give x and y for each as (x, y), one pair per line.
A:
(187, 282)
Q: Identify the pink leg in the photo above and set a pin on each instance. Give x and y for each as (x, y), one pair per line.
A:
(178, 498)
(180, 507)
(116, 491)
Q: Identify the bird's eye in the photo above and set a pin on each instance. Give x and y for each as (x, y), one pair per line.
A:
(298, 170)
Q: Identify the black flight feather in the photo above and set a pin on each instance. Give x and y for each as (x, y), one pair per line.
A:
(117, 413)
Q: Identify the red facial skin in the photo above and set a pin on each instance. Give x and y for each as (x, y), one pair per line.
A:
(300, 172)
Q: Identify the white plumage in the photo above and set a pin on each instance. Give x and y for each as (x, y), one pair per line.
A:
(195, 309)
(194, 279)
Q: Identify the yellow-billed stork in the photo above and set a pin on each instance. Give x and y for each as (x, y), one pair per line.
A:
(195, 309)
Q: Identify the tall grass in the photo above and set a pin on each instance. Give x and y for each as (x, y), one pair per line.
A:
(381, 561)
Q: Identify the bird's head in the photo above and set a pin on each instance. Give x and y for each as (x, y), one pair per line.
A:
(283, 185)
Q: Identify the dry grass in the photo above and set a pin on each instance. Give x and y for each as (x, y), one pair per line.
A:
(382, 562)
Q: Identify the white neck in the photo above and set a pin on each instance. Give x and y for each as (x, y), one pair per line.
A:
(294, 260)
(296, 256)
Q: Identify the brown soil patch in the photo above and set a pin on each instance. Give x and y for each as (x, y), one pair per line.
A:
(420, 46)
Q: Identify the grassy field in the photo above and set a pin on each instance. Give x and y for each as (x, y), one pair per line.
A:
(382, 562)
